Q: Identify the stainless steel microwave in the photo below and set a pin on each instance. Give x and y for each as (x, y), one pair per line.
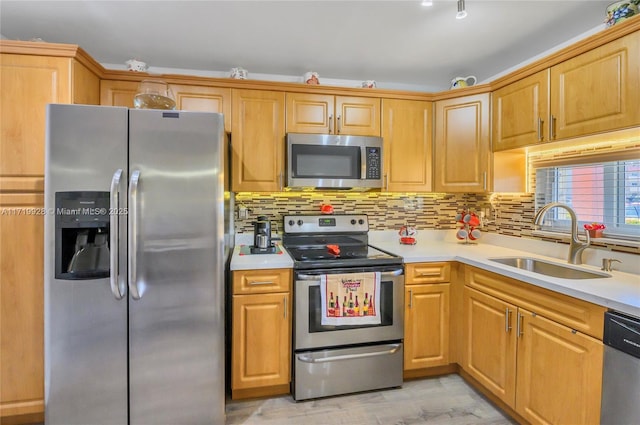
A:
(328, 161)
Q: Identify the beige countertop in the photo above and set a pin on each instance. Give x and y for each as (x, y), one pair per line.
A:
(619, 292)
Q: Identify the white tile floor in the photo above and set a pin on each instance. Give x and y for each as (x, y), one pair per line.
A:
(442, 400)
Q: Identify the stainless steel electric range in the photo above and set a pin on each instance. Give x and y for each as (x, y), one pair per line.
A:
(345, 355)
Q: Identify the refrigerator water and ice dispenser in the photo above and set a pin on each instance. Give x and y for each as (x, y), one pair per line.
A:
(82, 235)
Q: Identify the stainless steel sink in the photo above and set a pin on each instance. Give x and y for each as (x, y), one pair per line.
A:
(549, 269)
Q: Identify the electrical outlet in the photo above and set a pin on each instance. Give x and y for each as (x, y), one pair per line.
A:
(243, 213)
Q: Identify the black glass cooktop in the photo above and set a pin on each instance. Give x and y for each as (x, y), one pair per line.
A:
(351, 256)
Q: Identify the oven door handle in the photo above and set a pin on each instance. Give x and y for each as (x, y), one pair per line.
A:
(393, 348)
(301, 276)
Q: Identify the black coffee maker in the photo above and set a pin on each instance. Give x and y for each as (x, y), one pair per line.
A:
(262, 236)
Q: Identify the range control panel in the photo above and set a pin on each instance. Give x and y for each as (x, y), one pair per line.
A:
(328, 223)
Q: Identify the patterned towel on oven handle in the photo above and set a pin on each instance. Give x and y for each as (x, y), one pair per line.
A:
(350, 299)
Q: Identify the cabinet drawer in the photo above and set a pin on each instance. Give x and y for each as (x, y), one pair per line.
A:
(576, 314)
(261, 281)
(427, 273)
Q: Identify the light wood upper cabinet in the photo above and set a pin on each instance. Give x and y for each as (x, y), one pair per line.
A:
(28, 84)
(118, 93)
(520, 112)
(328, 114)
(408, 148)
(462, 158)
(597, 91)
(261, 332)
(591, 93)
(204, 99)
(257, 142)
(187, 97)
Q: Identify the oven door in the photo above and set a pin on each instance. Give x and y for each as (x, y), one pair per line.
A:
(310, 333)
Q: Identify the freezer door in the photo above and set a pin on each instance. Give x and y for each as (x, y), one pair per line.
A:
(176, 333)
(85, 313)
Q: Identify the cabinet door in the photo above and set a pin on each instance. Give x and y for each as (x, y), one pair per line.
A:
(28, 84)
(204, 99)
(559, 373)
(257, 142)
(261, 348)
(597, 91)
(357, 116)
(520, 111)
(408, 148)
(118, 93)
(462, 154)
(21, 306)
(310, 113)
(426, 326)
(490, 343)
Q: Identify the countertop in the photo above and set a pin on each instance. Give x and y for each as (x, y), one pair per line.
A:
(619, 292)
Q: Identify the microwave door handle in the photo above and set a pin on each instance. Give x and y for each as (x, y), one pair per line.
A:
(363, 162)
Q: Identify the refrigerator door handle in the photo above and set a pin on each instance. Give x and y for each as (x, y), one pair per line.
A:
(133, 235)
(114, 206)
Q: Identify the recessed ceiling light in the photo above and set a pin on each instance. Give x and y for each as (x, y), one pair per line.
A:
(427, 2)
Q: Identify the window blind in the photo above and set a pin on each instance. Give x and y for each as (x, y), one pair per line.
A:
(603, 192)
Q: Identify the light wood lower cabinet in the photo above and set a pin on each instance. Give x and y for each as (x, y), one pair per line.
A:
(490, 344)
(426, 320)
(261, 333)
(426, 326)
(548, 372)
(559, 373)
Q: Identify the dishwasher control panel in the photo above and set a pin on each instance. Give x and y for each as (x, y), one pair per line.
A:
(622, 332)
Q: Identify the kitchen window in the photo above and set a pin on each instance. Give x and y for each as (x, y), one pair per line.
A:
(599, 192)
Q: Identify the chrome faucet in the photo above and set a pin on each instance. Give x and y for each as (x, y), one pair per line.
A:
(576, 246)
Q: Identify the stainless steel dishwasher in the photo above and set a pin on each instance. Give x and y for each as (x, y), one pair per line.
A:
(621, 373)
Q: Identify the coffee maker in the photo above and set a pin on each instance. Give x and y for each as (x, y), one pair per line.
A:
(262, 236)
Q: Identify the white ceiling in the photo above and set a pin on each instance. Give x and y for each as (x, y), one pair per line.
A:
(400, 44)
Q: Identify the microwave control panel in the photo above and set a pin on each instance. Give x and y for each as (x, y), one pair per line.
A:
(373, 163)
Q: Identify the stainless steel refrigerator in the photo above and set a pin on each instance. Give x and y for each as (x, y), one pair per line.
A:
(134, 266)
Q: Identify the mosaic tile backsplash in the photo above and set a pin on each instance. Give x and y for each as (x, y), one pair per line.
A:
(510, 215)
(505, 213)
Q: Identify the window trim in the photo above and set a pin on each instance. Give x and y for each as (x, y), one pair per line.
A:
(579, 158)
